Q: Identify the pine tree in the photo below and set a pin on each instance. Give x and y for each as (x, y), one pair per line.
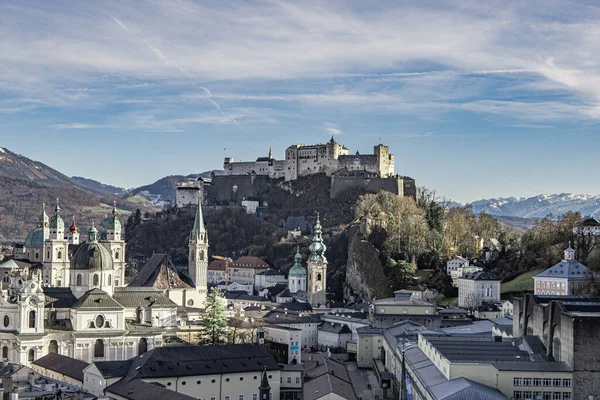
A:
(213, 328)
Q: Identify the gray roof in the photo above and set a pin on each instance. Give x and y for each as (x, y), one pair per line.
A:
(335, 328)
(322, 385)
(96, 299)
(144, 296)
(160, 272)
(189, 360)
(568, 269)
(113, 369)
(480, 276)
(465, 389)
(59, 297)
(453, 310)
(64, 365)
(483, 327)
(280, 317)
(136, 389)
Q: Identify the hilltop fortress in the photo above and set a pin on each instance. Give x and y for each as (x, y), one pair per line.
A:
(330, 158)
(245, 182)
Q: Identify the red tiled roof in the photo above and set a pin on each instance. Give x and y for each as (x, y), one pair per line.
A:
(217, 265)
(250, 262)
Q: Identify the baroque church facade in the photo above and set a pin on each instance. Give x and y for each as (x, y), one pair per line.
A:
(62, 296)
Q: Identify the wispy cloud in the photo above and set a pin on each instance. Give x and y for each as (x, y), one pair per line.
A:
(332, 129)
(74, 125)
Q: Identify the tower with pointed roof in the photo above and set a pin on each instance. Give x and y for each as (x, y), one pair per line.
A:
(198, 252)
(116, 245)
(56, 252)
(264, 389)
(317, 268)
(73, 235)
(297, 274)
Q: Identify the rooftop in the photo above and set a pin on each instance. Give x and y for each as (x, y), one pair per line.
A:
(63, 365)
(136, 389)
(569, 269)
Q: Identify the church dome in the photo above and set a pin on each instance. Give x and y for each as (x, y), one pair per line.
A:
(297, 270)
(114, 223)
(92, 255)
(35, 238)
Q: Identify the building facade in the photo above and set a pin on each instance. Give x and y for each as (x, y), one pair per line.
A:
(568, 277)
(477, 288)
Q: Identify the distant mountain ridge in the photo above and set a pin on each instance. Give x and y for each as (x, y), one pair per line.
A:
(539, 206)
(99, 186)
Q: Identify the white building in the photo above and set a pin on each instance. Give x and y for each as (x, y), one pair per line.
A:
(454, 263)
(354, 321)
(334, 335)
(567, 278)
(307, 322)
(304, 160)
(250, 205)
(587, 227)
(462, 271)
(297, 275)
(292, 337)
(235, 372)
(268, 278)
(189, 193)
(477, 288)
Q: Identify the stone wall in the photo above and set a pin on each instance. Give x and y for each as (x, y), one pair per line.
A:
(228, 189)
(340, 184)
(586, 362)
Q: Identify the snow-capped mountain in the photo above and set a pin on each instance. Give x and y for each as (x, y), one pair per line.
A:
(540, 206)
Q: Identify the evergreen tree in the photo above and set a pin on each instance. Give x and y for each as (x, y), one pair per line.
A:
(213, 328)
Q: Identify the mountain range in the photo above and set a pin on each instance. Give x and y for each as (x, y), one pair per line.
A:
(539, 206)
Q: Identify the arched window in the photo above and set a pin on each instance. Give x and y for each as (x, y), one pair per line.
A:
(59, 255)
(95, 280)
(53, 347)
(142, 346)
(318, 277)
(31, 355)
(32, 319)
(117, 255)
(5, 352)
(79, 280)
(99, 348)
(201, 255)
(48, 254)
(109, 280)
(37, 255)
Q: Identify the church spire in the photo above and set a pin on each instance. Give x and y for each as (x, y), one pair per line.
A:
(270, 153)
(43, 220)
(199, 220)
(317, 247)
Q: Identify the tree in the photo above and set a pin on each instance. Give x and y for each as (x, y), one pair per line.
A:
(213, 326)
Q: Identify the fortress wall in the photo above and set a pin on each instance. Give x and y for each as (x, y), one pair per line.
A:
(372, 185)
(221, 190)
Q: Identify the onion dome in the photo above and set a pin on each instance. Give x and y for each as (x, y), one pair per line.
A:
(73, 228)
(317, 247)
(57, 222)
(297, 270)
(114, 223)
(92, 255)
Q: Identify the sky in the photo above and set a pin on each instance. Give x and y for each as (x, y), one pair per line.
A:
(475, 99)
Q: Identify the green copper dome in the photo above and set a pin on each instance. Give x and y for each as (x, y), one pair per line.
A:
(297, 270)
(57, 222)
(35, 238)
(114, 223)
(317, 247)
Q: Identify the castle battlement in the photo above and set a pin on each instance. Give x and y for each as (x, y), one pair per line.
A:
(304, 160)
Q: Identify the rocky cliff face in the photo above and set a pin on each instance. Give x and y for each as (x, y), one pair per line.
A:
(364, 273)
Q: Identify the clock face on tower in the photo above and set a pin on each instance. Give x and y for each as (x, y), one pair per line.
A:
(33, 301)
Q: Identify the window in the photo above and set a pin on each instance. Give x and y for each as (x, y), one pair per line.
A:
(556, 396)
(547, 395)
(78, 280)
(526, 381)
(117, 255)
(183, 383)
(32, 319)
(109, 280)
(537, 395)
(289, 379)
(557, 382)
(527, 395)
(547, 382)
(318, 277)
(566, 383)
(31, 355)
(254, 396)
(227, 398)
(297, 379)
(517, 381)
(99, 321)
(99, 348)
(537, 381)
(566, 396)
(95, 280)
(143, 347)
(53, 347)
(6, 321)
(517, 394)
(241, 397)
(5, 352)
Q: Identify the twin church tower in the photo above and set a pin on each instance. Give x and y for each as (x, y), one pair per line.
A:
(297, 280)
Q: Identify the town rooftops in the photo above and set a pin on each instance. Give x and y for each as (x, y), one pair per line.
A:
(327, 384)
(217, 265)
(402, 299)
(63, 365)
(464, 389)
(284, 317)
(59, 297)
(160, 272)
(568, 269)
(249, 262)
(96, 299)
(271, 271)
(480, 276)
(335, 328)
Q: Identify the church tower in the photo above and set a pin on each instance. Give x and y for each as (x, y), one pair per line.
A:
(116, 245)
(73, 235)
(198, 255)
(317, 268)
(55, 253)
(297, 274)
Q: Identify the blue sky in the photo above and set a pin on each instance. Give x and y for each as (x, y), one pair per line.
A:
(476, 99)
